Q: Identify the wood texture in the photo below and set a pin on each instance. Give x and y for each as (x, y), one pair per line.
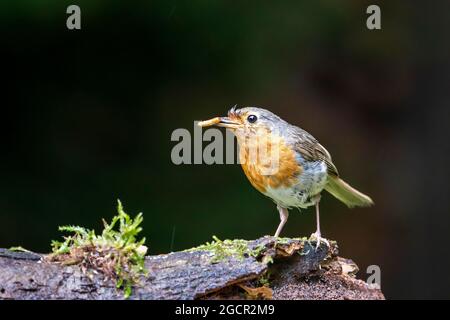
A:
(298, 271)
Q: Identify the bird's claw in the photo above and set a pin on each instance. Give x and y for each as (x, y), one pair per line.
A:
(319, 239)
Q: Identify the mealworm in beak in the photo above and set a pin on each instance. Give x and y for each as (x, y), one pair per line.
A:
(209, 122)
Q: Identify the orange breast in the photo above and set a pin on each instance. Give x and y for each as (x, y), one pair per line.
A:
(285, 168)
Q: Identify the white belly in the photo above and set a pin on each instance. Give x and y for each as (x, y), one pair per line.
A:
(301, 195)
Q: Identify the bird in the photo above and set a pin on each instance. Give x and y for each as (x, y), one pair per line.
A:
(286, 163)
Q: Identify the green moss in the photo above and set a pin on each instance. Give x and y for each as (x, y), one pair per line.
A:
(229, 248)
(264, 280)
(19, 249)
(282, 240)
(116, 252)
(287, 240)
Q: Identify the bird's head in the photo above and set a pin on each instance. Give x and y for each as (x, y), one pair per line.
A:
(246, 121)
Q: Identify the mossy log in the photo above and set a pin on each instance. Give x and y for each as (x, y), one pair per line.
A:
(283, 269)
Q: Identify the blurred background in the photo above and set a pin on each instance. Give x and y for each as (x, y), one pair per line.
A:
(87, 118)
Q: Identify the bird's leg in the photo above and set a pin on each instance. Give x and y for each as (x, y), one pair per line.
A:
(284, 214)
(317, 234)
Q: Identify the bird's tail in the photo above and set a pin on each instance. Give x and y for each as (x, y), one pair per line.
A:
(348, 195)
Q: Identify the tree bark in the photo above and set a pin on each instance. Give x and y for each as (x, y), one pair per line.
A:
(287, 269)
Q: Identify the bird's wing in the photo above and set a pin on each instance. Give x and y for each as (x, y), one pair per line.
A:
(312, 150)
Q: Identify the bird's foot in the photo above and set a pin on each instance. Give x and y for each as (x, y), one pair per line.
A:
(319, 239)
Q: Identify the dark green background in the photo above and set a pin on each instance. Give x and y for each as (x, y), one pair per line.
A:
(88, 116)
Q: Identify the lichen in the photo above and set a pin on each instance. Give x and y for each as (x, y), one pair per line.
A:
(116, 252)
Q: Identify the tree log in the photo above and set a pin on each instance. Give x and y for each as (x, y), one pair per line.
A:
(287, 269)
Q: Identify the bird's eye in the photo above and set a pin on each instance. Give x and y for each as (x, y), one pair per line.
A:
(252, 118)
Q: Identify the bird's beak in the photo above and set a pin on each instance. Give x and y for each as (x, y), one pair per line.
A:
(220, 122)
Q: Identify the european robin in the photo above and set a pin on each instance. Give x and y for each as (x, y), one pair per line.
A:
(286, 163)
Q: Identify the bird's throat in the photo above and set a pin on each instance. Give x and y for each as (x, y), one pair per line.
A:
(268, 162)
